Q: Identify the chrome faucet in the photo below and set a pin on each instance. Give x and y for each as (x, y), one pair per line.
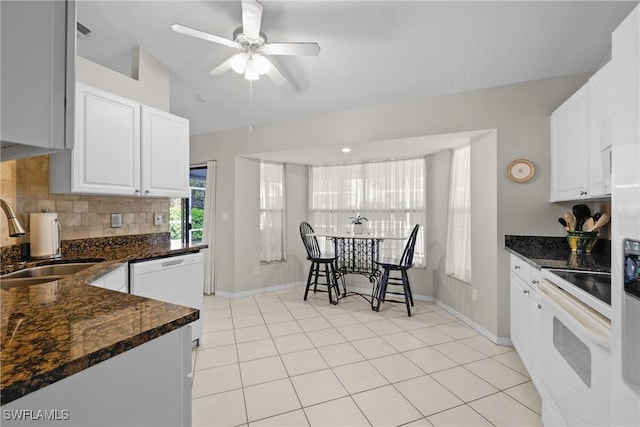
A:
(15, 228)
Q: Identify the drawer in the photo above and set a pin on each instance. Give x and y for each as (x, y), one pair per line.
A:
(521, 268)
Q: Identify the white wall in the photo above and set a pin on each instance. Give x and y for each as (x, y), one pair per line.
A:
(246, 229)
(519, 113)
(149, 85)
(484, 235)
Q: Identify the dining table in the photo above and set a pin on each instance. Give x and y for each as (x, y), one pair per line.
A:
(357, 254)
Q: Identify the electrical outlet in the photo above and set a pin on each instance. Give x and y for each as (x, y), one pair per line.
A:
(157, 218)
(116, 220)
(474, 295)
(256, 271)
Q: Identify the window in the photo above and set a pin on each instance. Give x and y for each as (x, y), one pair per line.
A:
(391, 194)
(186, 215)
(272, 203)
(458, 256)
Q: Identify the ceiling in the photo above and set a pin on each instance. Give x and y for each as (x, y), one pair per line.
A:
(372, 52)
(371, 150)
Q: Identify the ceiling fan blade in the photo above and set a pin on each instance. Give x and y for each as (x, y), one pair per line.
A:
(275, 75)
(203, 35)
(303, 48)
(222, 68)
(251, 18)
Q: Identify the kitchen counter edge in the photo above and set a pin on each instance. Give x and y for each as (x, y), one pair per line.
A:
(19, 387)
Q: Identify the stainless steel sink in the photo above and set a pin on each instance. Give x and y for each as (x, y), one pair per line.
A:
(8, 283)
(49, 270)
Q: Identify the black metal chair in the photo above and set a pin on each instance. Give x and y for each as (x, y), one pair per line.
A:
(397, 266)
(317, 258)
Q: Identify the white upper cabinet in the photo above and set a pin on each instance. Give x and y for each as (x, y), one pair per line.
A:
(165, 154)
(37, 76)
(569, 148)
(581, 142)
(600, 132)
(122, 148)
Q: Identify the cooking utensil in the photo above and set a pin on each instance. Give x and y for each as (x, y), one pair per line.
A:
(582, 241)
(564, 223)
(588, 225)
(581, 212)
(571, 220)
(604, 219)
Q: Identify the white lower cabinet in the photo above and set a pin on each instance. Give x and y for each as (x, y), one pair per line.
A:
(122, 148)
(149, 385)
(525, 313)
(519, 322)
(535, 309)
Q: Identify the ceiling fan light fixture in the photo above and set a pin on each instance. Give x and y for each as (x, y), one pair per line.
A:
(239, 62)
(260, 64)
(251, 73)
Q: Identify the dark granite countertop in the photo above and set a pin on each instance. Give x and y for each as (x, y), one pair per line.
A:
(53, 330)
(554, 252)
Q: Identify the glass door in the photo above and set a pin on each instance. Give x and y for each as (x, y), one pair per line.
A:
(186, 215)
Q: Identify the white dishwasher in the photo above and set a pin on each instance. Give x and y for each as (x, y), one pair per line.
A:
(177, 280)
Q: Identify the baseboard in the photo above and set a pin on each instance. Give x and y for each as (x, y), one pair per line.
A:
(478, 328)
(260, 291)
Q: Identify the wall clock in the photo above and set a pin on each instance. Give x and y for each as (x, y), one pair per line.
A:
(520, 170)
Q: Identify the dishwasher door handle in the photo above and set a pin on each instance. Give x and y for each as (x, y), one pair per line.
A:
(172, 263)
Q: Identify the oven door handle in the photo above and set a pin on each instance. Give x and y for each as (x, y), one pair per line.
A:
(592, 324)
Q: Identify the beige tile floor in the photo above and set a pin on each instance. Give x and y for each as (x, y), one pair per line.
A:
(276, 360)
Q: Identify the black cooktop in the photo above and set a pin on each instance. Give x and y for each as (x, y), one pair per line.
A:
(596, 284)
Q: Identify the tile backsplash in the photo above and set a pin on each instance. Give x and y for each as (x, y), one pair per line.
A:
(25, 186)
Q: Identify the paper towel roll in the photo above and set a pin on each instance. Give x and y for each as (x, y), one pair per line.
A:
(45, 235)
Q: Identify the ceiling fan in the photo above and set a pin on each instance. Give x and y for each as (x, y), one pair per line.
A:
(252, 59)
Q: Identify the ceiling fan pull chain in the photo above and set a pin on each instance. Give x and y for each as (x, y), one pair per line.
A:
(250, 105)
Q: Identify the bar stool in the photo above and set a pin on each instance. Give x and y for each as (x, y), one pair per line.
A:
(400, 266)
(318, 259)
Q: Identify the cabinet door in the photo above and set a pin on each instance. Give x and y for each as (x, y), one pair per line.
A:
(165, 154)
(520, 317)
(38, 53)
(106, 156)
(600, 132)
(570, 149)
(535, 309)
(148, 385)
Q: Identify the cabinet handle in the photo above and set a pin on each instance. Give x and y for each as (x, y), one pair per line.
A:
(539, 306)
(583, 193)
(517, 267)
(534, 282)
(525, 291)
(137, 191)
(147, 191)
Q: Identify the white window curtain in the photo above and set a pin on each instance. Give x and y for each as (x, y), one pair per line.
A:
(272, 212)
(390, 194)
(458, 256)
(208, 229)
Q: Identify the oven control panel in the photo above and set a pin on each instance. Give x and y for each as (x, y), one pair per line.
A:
(632, 267)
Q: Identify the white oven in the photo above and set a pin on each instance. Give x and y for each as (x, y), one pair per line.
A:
(575, 360)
